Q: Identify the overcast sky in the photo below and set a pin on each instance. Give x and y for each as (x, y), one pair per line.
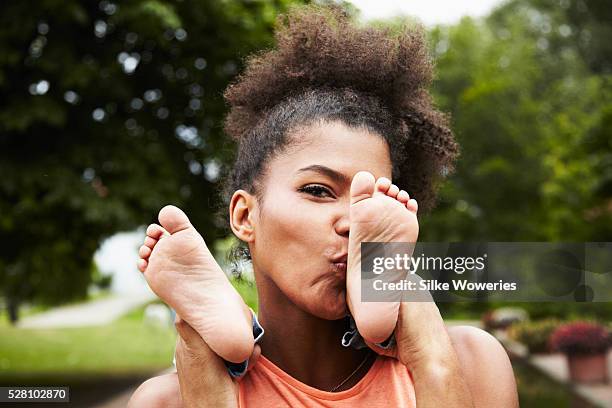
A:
(430, 12)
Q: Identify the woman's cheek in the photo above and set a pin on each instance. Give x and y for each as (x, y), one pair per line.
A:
(293, 236)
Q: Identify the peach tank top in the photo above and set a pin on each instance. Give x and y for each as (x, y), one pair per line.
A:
(388, 383)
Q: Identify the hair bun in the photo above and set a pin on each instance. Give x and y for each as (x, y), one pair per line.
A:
(321, 46)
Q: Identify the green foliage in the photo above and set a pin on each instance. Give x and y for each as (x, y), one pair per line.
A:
(247, 290)
(108, 112)
(532, 119)
(529, 89)
(535, 334)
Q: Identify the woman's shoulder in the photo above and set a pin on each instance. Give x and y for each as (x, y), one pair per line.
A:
(485, 364)
(161, 391)
(473, 344)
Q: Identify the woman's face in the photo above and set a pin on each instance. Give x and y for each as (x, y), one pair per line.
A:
(302, 227)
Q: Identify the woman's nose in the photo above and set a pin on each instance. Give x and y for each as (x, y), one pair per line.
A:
(342, 226)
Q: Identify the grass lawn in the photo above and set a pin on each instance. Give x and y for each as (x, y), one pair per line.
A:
(127, 346)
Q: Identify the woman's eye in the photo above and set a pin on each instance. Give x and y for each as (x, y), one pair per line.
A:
(317, 191)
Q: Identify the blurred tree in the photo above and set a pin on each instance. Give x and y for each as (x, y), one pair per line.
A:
(529, 89)
(532, 115)
(108, 111)
(586, 24)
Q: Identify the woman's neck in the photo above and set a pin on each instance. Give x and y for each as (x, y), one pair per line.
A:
(306, 347)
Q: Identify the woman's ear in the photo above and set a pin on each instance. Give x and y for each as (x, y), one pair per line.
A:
(242, 213)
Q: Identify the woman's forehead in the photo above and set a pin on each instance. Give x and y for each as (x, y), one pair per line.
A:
(336, 146)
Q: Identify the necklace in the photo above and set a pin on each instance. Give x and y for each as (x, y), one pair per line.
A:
(353, 373)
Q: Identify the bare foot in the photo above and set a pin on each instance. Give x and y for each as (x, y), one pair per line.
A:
(380, 212)
(180, 269)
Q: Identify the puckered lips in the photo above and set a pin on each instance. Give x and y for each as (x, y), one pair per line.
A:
(339, 262)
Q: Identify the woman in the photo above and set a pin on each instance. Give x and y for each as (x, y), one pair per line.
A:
(323, 123)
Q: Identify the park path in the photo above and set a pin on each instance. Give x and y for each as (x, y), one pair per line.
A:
(94, 313)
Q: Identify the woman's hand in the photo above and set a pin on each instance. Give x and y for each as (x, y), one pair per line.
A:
(203, 377)
(419, 334)
(461, 366)
(424, 346)
(411, 344)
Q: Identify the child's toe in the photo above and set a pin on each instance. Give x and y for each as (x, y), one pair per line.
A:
(142, 265)
(173, 220)
(150, 242)
(144, 252)
(412, 205)
(393, 191)
(403, 197)
(382, 185)
(155, 231)
(362, 186)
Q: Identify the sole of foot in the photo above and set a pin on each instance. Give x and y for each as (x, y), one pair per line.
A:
(379, 212)
(180, 269)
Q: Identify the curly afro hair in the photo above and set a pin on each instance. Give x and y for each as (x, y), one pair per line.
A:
(326, 67)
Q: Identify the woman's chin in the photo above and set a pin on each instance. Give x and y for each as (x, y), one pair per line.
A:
(333, 309)
(326, 302)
